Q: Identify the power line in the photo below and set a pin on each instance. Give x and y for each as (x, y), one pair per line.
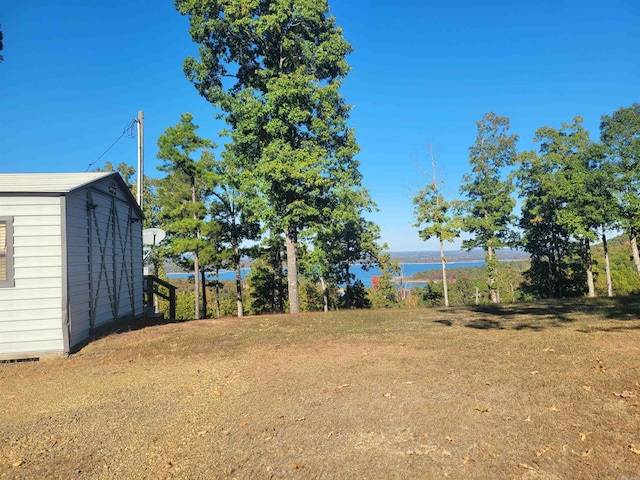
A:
(128, 131)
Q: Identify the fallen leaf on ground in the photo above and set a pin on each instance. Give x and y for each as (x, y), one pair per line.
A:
(481, 409)
(543, 450)
(217, 393)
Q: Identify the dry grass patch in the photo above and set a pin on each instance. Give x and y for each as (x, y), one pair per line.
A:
(532, 392)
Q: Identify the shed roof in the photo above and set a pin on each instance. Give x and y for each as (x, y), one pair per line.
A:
(47, 182)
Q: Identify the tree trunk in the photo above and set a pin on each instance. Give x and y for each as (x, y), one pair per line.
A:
(203, 283)
(196, 279)
(347, 288)
(217, 293)
(236, 261)
(606, 263)
(291, 241)
(279, 293)
(325, 294)
(633, 237)
(196, 263)
(490, 277)
(553, 281)
(443, 260)
(589, 265)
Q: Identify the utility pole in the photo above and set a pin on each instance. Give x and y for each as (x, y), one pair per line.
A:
(140, 179)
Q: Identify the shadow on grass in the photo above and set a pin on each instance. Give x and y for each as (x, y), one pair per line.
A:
(614, 328)
(484, 324)
(617, 308)
(543, 315)
(448, 323)
(558, 311)
(529, 326)
(123, 326)
(151, 321)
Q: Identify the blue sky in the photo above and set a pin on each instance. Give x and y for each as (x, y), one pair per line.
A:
(75, 73)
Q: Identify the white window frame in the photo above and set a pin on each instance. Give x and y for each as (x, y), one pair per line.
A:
(9, 281)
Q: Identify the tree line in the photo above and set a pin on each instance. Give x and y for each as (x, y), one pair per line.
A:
(287, 181)
(573, 190)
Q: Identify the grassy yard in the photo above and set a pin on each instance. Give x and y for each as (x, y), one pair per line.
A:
(546, 391)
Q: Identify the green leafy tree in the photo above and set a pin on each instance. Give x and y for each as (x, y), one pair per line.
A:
(431, 294)
(489, 203)
(268, 288)
(578, 188)
(579, 192)
(620, 136)
(437, 215)
(184, 192)
(384, 293)
(274, 69)
(554, 271)
(213, 256)
(345, 238)
(233, 209)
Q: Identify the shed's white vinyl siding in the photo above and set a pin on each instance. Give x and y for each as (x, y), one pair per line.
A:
(104, 259)
(75, 266)
(78, 292)
(31, 311)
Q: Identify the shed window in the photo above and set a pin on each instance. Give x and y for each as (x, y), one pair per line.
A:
(6, 252)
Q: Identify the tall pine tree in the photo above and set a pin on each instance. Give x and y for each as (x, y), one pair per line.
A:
(184, 192)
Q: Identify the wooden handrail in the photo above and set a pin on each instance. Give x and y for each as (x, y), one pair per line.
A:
(152, 284)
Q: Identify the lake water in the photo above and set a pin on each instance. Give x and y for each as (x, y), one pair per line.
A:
(408, 269)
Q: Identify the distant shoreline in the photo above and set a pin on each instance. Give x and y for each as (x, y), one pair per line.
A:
(437, 262)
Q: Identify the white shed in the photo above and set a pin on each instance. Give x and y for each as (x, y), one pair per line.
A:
(70, 260)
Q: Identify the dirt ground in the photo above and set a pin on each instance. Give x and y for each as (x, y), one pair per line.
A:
(527, 393)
